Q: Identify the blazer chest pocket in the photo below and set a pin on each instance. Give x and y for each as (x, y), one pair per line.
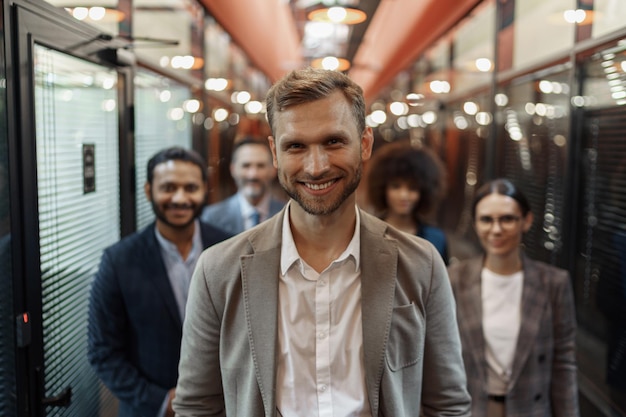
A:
(406, 337)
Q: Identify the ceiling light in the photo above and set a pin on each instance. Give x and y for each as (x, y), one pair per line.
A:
(186, 62)
(331, 63)
(253, 107)
(344, 15)
(216, 84)
(96, 13)
(191, 106)
(483, 64)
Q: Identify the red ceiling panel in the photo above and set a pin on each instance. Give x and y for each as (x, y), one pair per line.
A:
(399, 31)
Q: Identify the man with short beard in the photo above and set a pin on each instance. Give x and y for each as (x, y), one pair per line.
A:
(253, 173)
(322, 310)
(138, 296)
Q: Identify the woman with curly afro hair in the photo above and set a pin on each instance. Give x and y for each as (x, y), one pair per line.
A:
(404, 186)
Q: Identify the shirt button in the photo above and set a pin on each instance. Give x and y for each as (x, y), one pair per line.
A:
(321, 283)
(321, 335)
(323, 388)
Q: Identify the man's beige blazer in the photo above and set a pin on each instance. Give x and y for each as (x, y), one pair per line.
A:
(411, 346)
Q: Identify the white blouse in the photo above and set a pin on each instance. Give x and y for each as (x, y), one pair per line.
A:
(502, 314)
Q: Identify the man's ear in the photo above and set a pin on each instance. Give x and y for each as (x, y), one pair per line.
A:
(147, 189)
(367, 143)
(206, 188)
(270, 139)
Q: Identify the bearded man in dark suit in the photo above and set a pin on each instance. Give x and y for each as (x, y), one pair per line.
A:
(138, 297)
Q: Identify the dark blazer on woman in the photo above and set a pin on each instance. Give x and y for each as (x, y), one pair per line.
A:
(135, 326)
(437, 237)
(543, 382)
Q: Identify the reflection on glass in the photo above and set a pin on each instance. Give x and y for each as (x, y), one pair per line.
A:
(608, 16)
(162, 119)
(103, 15)
(75, 105)
(533, 124)
(556, 35)
(605, 84)
(473, 45)
(601, 265)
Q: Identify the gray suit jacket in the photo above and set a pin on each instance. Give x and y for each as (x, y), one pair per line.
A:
(226, 214)
(544, 369)
(411, 344)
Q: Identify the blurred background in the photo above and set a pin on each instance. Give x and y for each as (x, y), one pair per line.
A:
(532, 90)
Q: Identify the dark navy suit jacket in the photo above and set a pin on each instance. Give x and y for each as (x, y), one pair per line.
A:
(135, 328)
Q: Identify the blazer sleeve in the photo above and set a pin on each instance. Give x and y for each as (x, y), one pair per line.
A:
(444, 390)
(199, 391)
(563, 385)
(108, 331)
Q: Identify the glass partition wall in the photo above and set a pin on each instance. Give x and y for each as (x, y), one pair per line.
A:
(536, 91)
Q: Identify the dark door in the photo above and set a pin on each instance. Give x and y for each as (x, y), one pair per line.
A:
(67, 144)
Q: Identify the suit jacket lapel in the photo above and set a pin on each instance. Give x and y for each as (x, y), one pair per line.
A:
(534, 298)
(156, 273)
(275, 207)
(378, 282)
(469, 306)
(260, 273)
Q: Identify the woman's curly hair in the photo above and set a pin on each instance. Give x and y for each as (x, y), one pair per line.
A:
(403, 161)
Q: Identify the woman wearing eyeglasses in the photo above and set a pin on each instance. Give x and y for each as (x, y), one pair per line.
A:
(515, 315)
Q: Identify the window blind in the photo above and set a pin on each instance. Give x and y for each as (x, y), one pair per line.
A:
(74, 105)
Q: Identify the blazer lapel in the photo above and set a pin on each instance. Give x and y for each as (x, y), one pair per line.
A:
(234, 214)
(534, 298)
(469, 306)
(378, 282)
(260, 273)
(157, 273)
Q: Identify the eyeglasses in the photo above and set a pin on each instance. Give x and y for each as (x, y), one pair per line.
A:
(506, 222)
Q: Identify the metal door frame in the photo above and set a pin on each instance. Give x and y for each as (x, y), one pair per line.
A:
(27, 22)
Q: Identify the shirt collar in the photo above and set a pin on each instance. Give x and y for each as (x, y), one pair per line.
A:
(247, 209)
(289, 253)
(170, 248)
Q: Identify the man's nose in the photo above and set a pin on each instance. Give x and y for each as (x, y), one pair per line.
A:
(179, 194)
(252, 172)
(316, 161)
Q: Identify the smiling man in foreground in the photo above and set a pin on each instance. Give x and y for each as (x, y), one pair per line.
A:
(322, 310)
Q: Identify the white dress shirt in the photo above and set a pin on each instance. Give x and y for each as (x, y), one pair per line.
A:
(179, 272)
(320, 335)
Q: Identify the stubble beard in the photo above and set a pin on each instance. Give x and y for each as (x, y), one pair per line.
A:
(160, 214)
(318, 206)
(254, 193)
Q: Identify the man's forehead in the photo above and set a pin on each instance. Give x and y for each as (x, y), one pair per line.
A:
(250, 151)
(176, 167)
